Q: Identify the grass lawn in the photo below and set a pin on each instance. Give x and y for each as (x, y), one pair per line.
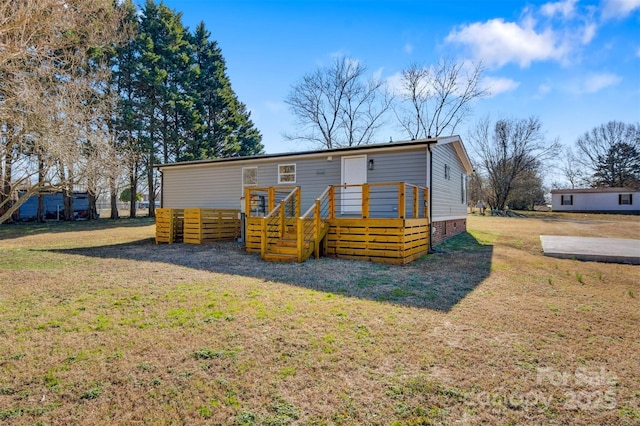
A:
(98, 325)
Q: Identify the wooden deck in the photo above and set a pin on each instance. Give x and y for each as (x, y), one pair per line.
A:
(282, 234)
(385, 222)
(397, 241)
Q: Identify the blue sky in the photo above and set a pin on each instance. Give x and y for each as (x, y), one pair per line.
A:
(574, 64)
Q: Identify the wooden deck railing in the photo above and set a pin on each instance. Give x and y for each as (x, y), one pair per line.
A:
(313, 226)
(380, 200)
(260, 201)
(274, 213)
(282, 215)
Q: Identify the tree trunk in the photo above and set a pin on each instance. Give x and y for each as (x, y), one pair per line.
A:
(5, 193)
(133, 186)
(113, 195)
(40, 215)
(7, 156)
(152, 191)
(93, 210)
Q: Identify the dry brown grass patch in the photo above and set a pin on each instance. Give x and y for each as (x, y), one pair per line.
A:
(99, 325)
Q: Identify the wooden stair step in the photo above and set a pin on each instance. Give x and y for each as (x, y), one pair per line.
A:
(287, 242)
(279, 257)
(283, 249)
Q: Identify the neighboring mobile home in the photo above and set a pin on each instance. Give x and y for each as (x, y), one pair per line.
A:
(54, 206)
(598, 200)
(408, 191)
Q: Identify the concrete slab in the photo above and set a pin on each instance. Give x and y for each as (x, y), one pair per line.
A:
(613, 250)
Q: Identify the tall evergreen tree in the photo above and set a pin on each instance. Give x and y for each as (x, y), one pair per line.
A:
(610, 153)
(176, 98)
(620, 167)
(226, 127)
(127, 122)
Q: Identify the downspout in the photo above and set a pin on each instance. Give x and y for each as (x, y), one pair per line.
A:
(161, 188)
(430, 249)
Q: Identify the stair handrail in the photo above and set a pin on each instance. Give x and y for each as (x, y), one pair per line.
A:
(312, 223)
(279, 211)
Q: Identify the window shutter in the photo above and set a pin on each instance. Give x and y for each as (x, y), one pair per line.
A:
(630, 199)
(571, 200)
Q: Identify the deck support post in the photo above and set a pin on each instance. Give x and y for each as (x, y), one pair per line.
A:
(402, 207)
(365, 200)
(282, 219)
(316, 237)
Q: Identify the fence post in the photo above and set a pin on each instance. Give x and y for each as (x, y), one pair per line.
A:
(426, 204)
(332, 202)
(172, 226)
(300, 238)
(401, 201)
(263, 238)
(316, 237)
(247, 202)
(365, 200)
(282, 219)
(271, 201)
(298, 202)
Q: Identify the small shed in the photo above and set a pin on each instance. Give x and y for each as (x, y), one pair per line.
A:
(596, 200)
(382, 201)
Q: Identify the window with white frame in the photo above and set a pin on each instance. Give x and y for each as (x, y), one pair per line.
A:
(566, 200)
(625, 199)
(249, 176)
(286, 173)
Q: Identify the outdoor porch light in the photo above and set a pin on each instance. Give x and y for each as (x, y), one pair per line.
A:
(371, 164)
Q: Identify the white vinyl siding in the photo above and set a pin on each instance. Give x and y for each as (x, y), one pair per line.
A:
(220, 185)
(202, 186)
(445, 190)
(595, 201)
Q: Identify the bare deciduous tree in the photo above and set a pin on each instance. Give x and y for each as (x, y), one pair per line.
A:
(610, 154)
(50, 92)
(335, 106)
(435, 100)
(508, 151)
(572, 169)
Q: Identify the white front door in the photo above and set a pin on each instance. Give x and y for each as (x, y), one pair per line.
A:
(354, 171)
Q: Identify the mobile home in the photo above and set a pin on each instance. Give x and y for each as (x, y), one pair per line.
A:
(387, 202)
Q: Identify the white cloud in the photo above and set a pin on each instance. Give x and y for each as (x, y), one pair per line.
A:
(408, 48)
(377, 75)
(564, 8)
(588, 32)
(394, 83)
(498, 85)
(543, 89)
(596, 82)
(618, 8)
(497, 42)
(555, 31)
